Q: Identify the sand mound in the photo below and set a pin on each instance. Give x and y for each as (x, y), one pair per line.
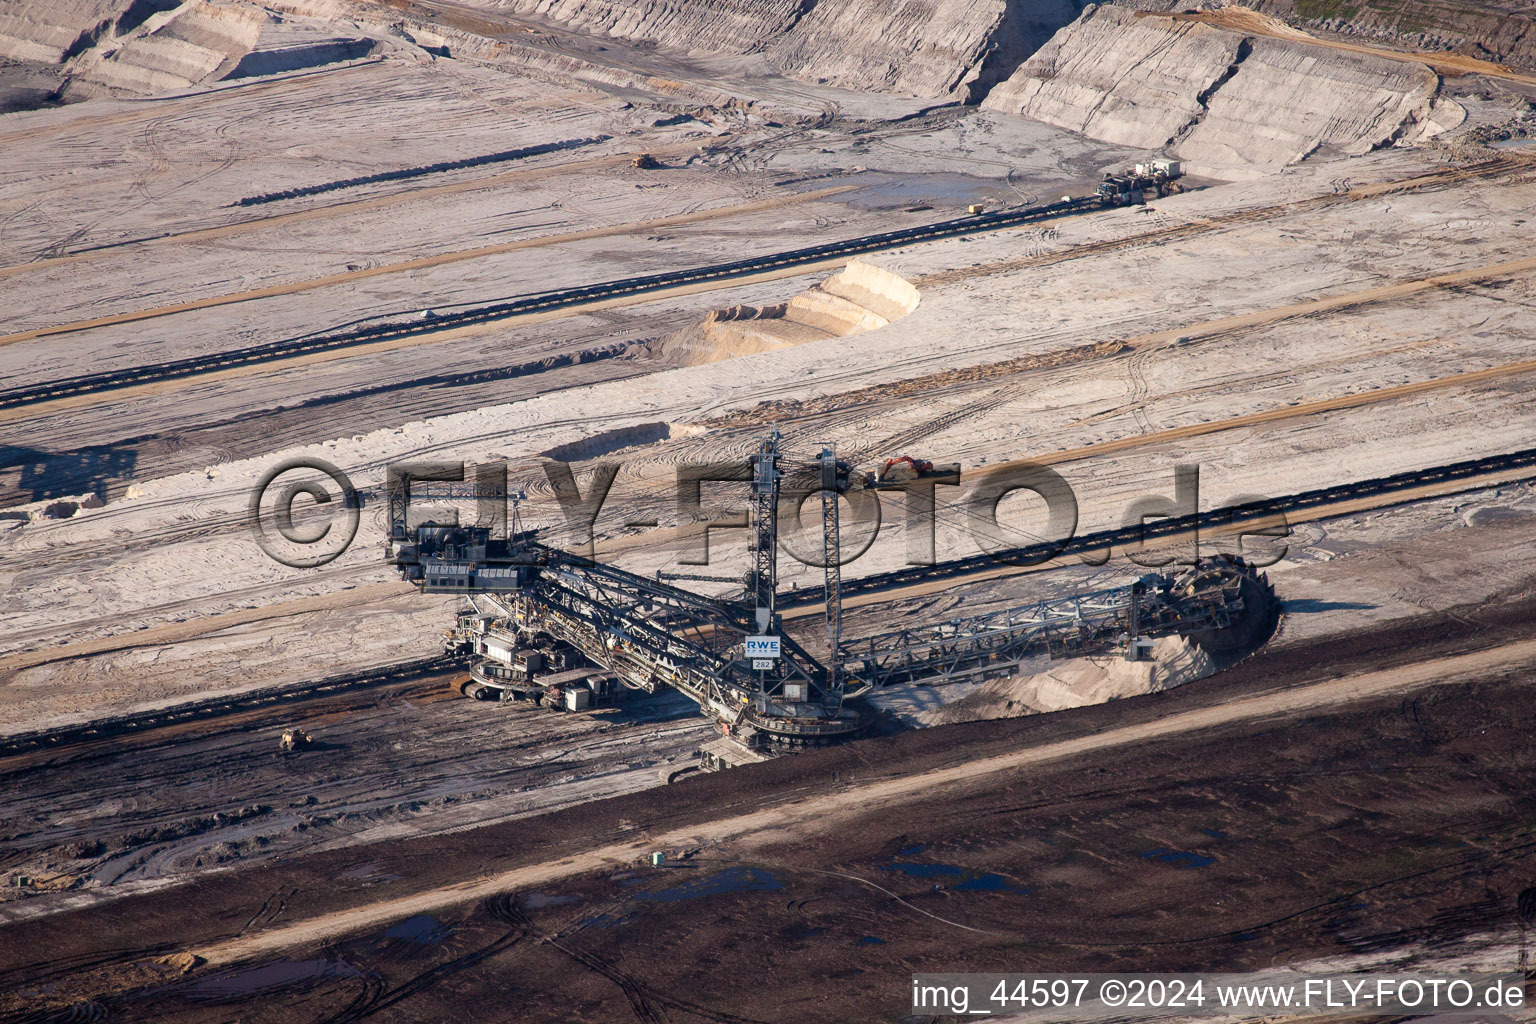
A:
(1077, 682)
(862, 297)
(609, 441)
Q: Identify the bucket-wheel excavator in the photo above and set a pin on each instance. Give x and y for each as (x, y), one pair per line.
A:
(561, 629)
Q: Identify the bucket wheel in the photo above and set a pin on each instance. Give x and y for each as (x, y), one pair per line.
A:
(1259, 610)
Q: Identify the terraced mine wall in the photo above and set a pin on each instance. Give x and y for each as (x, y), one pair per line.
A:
(950, 48)
(51, 33)
(144, 47)
(691, 26)
(927, 48)
(170, 50)
(1227, 104)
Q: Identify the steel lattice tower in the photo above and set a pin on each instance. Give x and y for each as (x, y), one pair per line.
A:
(764, 582)
(831, 548)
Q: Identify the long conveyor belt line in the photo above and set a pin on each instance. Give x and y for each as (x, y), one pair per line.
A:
(540, 303)
(574, 297)
(1222, 518)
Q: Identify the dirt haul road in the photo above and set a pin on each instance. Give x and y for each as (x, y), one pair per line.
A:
(1390, 821)
(824, 812)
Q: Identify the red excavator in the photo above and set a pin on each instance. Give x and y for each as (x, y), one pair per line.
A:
(904, 468)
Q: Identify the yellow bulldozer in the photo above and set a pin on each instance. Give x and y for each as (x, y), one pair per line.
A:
(293, 740)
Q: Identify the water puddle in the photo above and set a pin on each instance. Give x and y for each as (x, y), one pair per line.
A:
(988, 882)
(1179, 858)
(279, 974)
(373, 871)
(925, 870)
(540, 900)
(954, 877)
(423, 929)
(738, 879)
(885, 190)
(870, 940)
(603, 921)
